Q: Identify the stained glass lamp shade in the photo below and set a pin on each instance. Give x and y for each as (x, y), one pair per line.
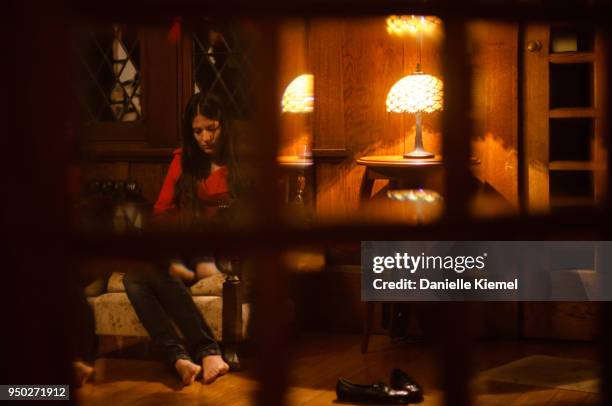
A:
(416, 93)
(299, 95)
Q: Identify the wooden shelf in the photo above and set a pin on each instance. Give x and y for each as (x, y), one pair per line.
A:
(113, 152)
(572, 57)
(572, 112)
(561, 110)
(572, 166)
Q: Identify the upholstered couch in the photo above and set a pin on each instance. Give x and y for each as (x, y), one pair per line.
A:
(115, 315)
(219, 298)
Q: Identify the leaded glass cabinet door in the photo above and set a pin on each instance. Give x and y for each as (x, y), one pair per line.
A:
(128, 81)
(111, 73)
(221, 64)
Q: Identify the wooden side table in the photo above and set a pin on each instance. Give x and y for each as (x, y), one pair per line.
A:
(401, 173)
(295, 167)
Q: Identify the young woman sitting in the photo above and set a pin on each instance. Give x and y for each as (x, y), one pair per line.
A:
(198, 172)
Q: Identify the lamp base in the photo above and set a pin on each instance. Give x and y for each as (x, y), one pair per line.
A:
(418, 154)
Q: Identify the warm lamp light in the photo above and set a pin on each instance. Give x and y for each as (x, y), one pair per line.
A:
(299, 95)
(411, 24)
(416, 93)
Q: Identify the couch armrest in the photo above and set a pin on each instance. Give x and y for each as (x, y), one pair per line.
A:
(95, 288)
(209, 286)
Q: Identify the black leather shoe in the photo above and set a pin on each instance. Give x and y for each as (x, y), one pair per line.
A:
(347, 391)
(401, 381)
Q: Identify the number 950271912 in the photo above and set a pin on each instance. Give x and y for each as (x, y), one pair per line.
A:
(34, 392)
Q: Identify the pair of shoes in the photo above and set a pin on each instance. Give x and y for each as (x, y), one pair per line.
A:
(347, 391)
(403, 389)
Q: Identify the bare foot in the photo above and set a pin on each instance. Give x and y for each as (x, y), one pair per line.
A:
(214, 367)
(187, 370)
(82, 372)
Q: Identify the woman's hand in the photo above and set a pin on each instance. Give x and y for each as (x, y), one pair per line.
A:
(180, 271)
(206, 269)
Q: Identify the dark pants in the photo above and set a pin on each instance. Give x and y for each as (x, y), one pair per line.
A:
(158, 297)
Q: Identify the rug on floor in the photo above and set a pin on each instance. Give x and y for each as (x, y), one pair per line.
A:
(549, 372)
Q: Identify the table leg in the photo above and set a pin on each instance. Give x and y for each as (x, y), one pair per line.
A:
(365, 190)
(367, 327)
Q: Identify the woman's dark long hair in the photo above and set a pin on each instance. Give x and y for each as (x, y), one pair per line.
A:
(196, 164)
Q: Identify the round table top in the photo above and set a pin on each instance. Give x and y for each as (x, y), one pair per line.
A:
(294, 161)
(398, 161)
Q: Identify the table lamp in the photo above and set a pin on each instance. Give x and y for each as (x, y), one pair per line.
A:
(416, 93)
(419, 92)
(298, 96)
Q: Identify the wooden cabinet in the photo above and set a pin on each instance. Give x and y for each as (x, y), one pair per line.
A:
(565, 159)
(138, 147)
(562, 117)
(156, 62)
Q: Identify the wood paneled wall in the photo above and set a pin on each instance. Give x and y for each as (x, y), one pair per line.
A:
(494, 49)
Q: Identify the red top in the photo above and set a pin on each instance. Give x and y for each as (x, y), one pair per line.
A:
(212, 188)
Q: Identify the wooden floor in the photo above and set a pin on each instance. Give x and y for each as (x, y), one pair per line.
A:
(318, 361)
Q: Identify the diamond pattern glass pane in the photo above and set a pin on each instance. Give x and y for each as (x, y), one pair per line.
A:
(110, 74)
(221, 65)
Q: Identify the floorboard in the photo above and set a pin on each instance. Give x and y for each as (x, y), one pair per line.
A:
(318, 361)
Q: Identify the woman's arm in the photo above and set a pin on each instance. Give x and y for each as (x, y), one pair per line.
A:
(180, 271)
(165, 200)
(203, 270)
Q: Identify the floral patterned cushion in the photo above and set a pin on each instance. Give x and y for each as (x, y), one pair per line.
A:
(211, 286)
(115, 315)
